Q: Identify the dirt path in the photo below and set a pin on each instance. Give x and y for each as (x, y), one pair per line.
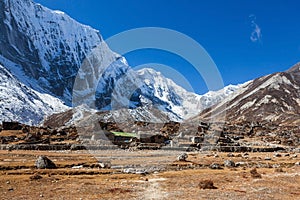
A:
(154, 190)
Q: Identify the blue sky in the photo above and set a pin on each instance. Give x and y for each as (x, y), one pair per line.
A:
(246, 39)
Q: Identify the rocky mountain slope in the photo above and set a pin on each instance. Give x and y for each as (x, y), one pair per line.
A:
(273, 98)
(44, 50)
(20, 103)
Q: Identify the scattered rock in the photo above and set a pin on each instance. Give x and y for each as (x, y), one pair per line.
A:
(44, 163)
(254, 173)
(297, 150)
(35, 177)
(294, 156)
(135, 171)
(277, 155)
(246, 155)
(10, 189)
(207, 184)
(297, 163)
(229, 163)
(241, 164)
(77, 167)
(276, 166)
(106, 164)
(230, 155)
(182, 157)
(268, 158)
(215, 166)
(216, 156)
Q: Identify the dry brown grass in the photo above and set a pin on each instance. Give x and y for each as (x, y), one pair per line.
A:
(174, 183)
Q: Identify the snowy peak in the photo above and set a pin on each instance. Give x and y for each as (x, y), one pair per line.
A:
(221, 96)
(177, 100)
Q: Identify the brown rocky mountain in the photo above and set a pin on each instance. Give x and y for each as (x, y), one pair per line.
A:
(273, 98)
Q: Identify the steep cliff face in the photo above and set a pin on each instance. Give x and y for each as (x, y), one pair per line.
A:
(48, 45)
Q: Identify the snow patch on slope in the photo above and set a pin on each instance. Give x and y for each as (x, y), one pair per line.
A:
(20, 103)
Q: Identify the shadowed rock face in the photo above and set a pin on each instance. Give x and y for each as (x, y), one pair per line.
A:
(14, 44)
(49, 46)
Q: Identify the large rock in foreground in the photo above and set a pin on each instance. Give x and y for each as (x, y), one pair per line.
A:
(44, 163)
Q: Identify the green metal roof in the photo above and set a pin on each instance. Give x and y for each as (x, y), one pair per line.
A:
(124, 134)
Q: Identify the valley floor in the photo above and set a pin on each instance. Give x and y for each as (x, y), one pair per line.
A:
(161, 177)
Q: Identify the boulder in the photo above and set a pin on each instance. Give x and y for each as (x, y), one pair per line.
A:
(135, 171)
(216, 156)
(215, 166)
(106, 164)
(254, 173)
(241, 164)
(229, 163)
(230, 155)
(182, 157)
(277, 155)
(44, 163)
(207, 184)
(268, 158)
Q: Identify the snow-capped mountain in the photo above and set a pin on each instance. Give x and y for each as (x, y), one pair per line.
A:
(176, 99)
(168, 102)
(48, 46)
(272, 98)
(169, 96)
(20, 103)
(47, 52)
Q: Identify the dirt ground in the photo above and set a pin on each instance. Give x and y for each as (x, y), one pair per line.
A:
(170, 179)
